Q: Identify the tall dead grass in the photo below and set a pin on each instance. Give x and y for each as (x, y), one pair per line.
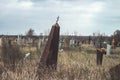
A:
(72, 65)
(10, 54)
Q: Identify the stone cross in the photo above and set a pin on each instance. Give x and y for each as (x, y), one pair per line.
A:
(57, 19)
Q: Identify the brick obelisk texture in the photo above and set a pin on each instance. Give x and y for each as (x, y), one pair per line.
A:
(50, 53)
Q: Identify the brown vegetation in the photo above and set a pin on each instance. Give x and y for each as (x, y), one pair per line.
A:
(72, 65)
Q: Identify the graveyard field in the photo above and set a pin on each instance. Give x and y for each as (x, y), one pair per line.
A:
(73, 64)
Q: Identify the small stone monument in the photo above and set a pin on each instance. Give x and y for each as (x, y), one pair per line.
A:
(39, 44)
(99, 56)
(18, 40)
(108, 49)
(72, 42)
(0, 42)
(113, 43)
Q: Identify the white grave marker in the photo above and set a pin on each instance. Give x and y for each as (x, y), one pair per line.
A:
(72, 42)
(26, 55)
(39, 43)
(108, 49)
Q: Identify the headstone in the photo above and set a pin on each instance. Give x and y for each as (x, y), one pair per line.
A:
(0, 42)
(39, 43)
(22, 41)
(113, 43)
(30, 40)
(26, 55)
(77, 43)
(72, 42)
(43, 40)
(67, 42)
(18, 40)
(9, 42)
(50, 53)
(99, 57)
(60, 45)
(108, 49)
(89, 40)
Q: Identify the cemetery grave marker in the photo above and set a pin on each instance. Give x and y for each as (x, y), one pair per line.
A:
(39, 44)
(0, 42)
(113, 43)
(108, 49)
(100, 51)
(99, 57)
(50, 53)
(18, 40)
(72, 43)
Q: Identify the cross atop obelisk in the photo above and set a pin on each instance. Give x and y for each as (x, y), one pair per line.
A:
(57, 19)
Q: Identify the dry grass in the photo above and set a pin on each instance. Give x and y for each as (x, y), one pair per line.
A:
(10, 54)
(72, 65)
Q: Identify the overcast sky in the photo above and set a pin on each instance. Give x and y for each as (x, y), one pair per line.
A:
(81, 16)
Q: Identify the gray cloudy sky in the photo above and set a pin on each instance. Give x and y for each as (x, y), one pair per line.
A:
(81, 16)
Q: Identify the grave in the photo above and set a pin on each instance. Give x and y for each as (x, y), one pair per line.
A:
(50, 53)
(108, 49)
(39, 44)
(0, 42)
(99, 56)
(113, 43)
(18, 40)
(72, 43)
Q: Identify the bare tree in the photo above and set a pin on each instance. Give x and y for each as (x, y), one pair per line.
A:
(30, 32)
(117, 36)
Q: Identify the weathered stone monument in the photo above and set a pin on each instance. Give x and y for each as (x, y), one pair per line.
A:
(113, 43)
(0, 42)
(17, 40)
(67, 41)
(50, 53)
(89, 40)
(108, 49)
(60, 44)
(99, 57)
(72, 43)
(39, 44)
(100, 51)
